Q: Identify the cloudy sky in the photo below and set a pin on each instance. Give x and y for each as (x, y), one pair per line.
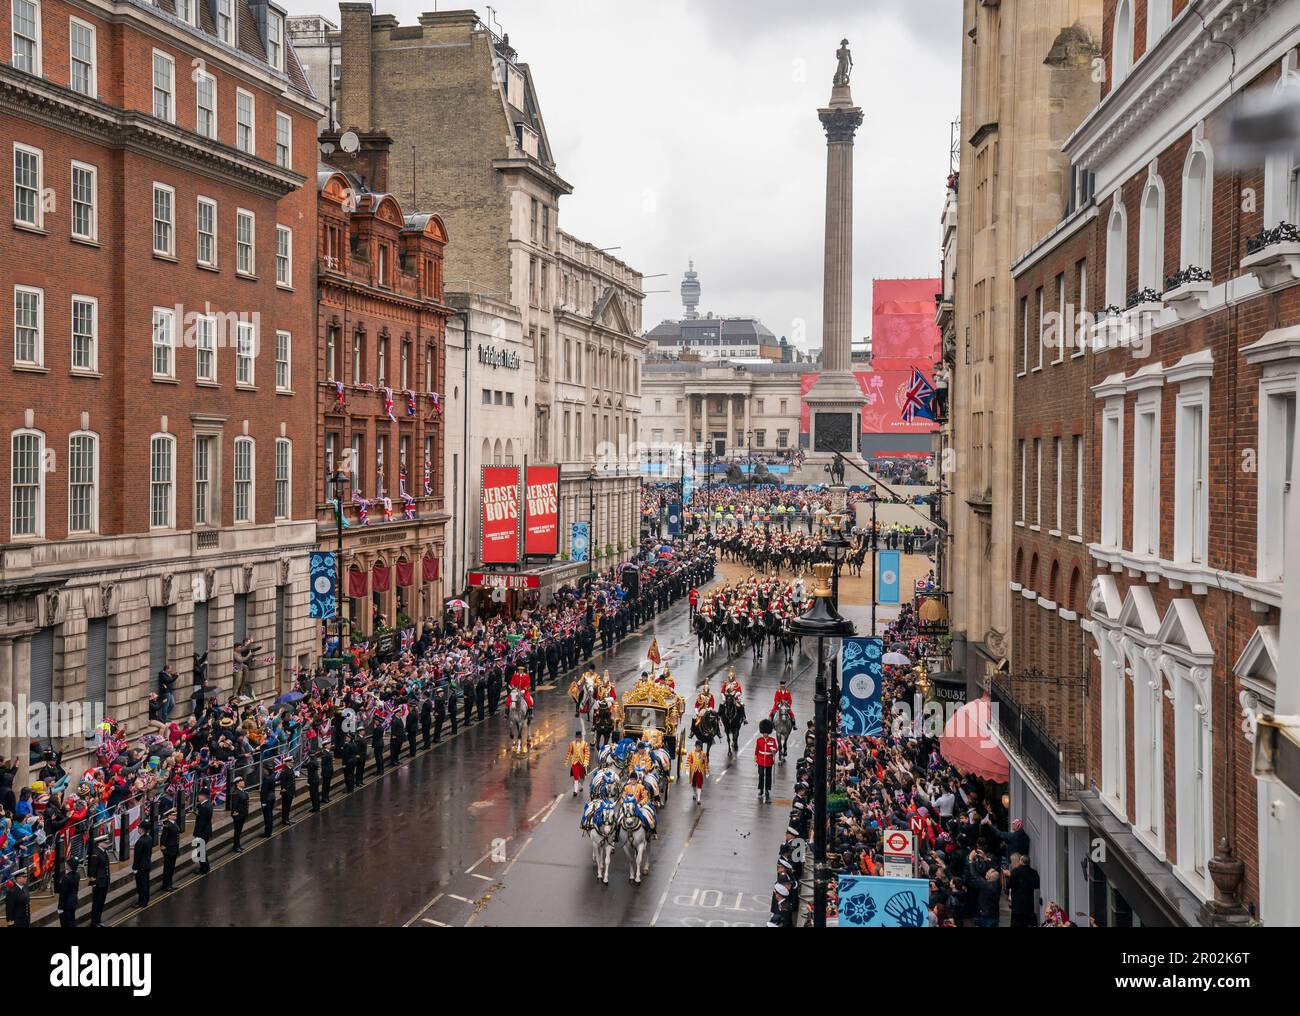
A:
(689, 130)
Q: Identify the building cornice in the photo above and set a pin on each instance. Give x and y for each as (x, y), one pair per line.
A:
(526, 166)
(49, 104)
(1184, 53)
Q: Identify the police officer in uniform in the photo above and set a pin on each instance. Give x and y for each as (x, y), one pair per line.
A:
(169, 839)
(326, 773)
(68, 886)
(266, 797)
(313, 781)
(238, 812)
(377, 745)
(288, 788)
(426, 720)
(396, 735)
(412, 728)
(97, 870)
(439, 711)
(142, 864)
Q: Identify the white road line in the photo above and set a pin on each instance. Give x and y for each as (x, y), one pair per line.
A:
(516, 857)
(550, 807)
(474, 874)
(430, 920)
(453, 896)
(659, 909)
(422, 910)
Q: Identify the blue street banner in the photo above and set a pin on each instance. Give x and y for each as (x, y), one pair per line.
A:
(579, 540)
(674, 519)
(322, 580)
(888, 571)
(861, 674)
(688, 488)
(868, 902)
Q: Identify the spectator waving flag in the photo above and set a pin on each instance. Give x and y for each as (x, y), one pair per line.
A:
(918, 399)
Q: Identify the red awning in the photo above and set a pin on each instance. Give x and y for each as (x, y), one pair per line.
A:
(358, 584)
(383, 577)
(405, 573)
(968, 743)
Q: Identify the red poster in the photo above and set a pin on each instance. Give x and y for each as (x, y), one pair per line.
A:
(885, 388)
(500, 514)
(542, 521)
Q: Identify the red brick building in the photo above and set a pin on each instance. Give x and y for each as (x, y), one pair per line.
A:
(1193, 389)
(381, 336)
(1044, 691)
(157, 311)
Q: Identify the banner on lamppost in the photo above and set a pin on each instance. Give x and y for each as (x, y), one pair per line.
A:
(861, 674)
(688, 488)
(674, 519)
(323, 602)
(872, 902)
(888, 582)
(579, 540)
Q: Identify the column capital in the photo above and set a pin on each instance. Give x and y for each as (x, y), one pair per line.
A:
(840, 123)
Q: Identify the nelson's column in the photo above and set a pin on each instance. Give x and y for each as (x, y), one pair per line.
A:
(835, 402)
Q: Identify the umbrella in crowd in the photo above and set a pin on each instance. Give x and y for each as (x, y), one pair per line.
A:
(895, 660)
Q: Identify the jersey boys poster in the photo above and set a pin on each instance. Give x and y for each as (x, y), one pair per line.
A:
(542, 520)
(500, 514)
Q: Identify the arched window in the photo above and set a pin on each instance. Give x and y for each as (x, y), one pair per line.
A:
(245, 486)
(27, 484)
(1151, 237)
(1122, 44)
(83, 482)
(509, 454)
(1198, 184)
(1117, 257)
(496, 452)
(162, 481)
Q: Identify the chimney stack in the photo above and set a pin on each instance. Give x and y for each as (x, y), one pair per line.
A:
(355, 52)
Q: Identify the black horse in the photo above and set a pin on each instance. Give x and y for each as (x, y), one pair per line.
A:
(732, 715)
(706, 727)
(602, 721)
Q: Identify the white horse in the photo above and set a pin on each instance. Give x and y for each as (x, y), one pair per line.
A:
(600, 822)
(586, 702)
(637, 837)
(782, 725)
(520, 726)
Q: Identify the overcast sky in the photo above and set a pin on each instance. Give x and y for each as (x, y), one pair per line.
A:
(689, 130)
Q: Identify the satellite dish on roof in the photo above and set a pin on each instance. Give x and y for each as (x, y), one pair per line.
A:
(327, 147)
(349, 142)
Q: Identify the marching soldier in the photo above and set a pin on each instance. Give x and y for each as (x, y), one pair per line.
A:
(577, 757)
(697, 768)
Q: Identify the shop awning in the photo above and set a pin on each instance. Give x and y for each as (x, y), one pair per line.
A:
(968, 743)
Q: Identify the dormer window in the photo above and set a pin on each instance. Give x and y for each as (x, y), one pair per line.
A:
(383, 264)
(275, 40)
(226, 21)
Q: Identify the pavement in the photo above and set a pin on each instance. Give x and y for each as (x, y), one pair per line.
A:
(469, 834)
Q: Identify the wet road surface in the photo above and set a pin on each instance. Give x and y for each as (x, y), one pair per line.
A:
(468, 834)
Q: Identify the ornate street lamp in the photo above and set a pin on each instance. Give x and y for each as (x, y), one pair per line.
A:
(821, 621)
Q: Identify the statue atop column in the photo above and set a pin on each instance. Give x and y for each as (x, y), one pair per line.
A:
(845, 64)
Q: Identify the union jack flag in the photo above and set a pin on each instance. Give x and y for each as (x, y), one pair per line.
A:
(918, 399)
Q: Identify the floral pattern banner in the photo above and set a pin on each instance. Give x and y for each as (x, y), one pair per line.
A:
(861, 675)
(870, 902)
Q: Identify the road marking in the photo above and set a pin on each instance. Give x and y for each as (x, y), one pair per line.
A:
(516, 857)
(453, 896)
(474, 874)
(422, 911)
(430, 920)
(548, 809)
(659, 909)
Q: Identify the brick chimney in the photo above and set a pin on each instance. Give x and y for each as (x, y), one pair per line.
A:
(369, 163)
(355, 52)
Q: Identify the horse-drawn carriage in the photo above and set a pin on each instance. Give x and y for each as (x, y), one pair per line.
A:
(633, 780)
(651, 705)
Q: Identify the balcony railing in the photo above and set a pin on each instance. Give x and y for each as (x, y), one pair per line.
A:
(1041, 719)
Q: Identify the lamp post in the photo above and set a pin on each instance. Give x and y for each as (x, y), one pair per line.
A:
(338, 481)
(591, 516)
(821, 621)
(874, 498)
(836, 548)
